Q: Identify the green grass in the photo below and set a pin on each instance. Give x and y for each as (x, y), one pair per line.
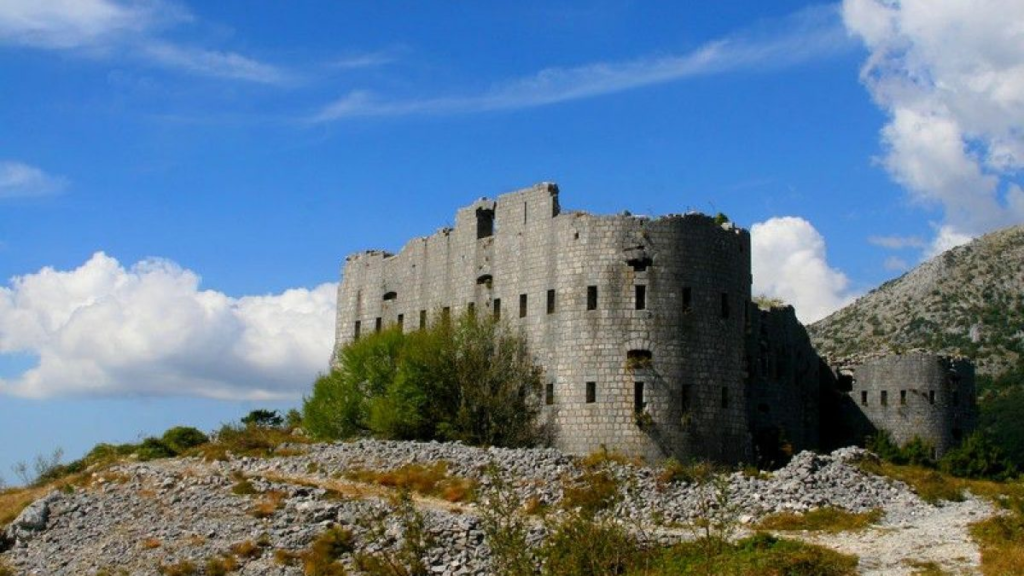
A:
(827, 519)
(759, 555)
(1001, 539)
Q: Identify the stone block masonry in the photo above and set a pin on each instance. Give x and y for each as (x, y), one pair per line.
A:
(590, 292)
(644, 326)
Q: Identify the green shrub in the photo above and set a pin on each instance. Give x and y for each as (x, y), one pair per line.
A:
(978, 457)
(468, 379)
(263, 419)
(182, 438)
(153, 448)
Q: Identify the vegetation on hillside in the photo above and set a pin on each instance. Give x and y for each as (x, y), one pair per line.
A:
(469, 379)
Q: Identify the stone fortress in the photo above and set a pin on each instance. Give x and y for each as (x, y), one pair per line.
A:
(649, 338)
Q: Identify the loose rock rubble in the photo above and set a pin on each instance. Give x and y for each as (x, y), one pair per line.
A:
(139, 516)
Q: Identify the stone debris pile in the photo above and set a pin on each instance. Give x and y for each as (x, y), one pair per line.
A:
(138, 516)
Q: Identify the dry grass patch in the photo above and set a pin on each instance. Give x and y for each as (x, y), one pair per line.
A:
(255, 441)
(182, 568)
(247, 549)
(603, 456)
(428, 480)
(1001, 539)
(220, 565)
(5, 570)
(150, 543)
(14, 500)
(930, 485)
(269, 503)
(827, 519)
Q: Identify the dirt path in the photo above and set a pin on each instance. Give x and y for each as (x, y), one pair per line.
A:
(925, 534)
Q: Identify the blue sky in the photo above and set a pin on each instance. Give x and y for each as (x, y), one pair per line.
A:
(180, 181)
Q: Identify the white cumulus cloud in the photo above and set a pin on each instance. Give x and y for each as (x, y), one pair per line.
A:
(105, 330)
(950, 75)
(18, 179)
(789, 262)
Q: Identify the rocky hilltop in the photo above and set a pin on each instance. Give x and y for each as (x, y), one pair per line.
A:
(257, 515)
(966, 301)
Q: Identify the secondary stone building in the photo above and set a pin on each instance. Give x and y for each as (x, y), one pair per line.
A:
(645, 326)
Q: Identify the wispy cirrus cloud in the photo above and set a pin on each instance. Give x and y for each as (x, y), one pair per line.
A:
(125, 29)
(806, 35)
(364, 60)
(20, 180)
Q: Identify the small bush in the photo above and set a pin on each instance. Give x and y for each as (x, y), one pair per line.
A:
(243, 487)
(322, 557)
(271, 502)
(757, 554)
(154, 448)
(181, 438)
(580, 545)
(593, 491)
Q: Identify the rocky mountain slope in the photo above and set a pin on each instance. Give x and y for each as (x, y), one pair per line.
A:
(262, 516)
(966, 301)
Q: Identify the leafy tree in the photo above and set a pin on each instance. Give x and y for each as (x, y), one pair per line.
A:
(467, 379)
(181, 438)
(263, 419)
(978, 457)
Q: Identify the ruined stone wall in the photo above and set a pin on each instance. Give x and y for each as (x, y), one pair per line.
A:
(783, 382)
(916, 394)
(687, 400)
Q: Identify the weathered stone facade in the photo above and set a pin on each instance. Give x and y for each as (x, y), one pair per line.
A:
(910, 395)
(644, 326)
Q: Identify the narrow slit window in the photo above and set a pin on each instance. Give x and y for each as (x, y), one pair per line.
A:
(885, 398)
(687, 299)
(638, 397)
(551, 301)
(401, 321)
(725, 305)
(471, 309)
(522, 305)
(549, 393)
(591, 392)
(931, 396)
(591, 297)
(359, 326)
(446, 315)
(864, 397)
(725, 397)
(377, 324)
(497, 308)
(423, 319)
(903, 397)
(685, 398)
(641, 297)
(524, 212)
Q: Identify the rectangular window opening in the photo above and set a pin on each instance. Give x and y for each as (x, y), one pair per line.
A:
(423, 319)
(903, 397)
(522, 305)
(685, 398)
(931, 396)
(446, 315)
(591, 297)
(725, 305)
(885, 398)
(359, 326)
(401, 321)
(591, 392)
(725, 397)
(471, 309)
(687, 299)
(638, 397)
(864, 397)
(551, 301)
(377, 324)
(641, 297)
(549, 393)
(497, 308)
